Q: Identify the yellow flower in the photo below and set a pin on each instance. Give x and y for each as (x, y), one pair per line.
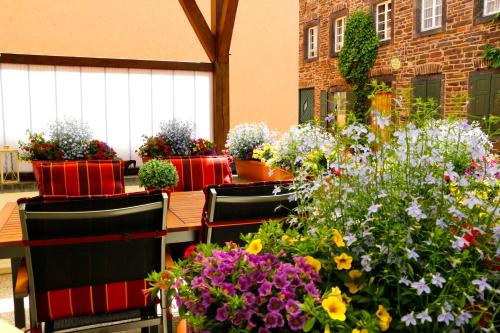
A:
(314, 263)
(353, 285)
(336, 291)
(343, 261)
(337, 238)
(335, 308)
(364, 330)
(288, 240)
(327, 329)
(384, 318)
(255, 246)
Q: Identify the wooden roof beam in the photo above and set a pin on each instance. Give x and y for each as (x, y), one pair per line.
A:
(200, 27)
(225, 28)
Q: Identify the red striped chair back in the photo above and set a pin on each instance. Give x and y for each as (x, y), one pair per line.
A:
(196, 172)
(75, 178)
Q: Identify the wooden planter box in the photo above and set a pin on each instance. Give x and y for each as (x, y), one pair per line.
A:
(256, 171)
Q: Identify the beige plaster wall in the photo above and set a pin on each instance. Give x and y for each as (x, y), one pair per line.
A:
(264, 65)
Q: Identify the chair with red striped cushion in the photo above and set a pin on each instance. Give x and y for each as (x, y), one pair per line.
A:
(87, 259)
(234, 209)
(80, 177)
(196, 172)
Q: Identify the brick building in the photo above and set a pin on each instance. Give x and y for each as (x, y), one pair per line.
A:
(434, 46)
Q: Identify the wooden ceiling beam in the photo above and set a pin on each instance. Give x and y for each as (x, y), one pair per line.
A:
(225, 28)
(200, 27)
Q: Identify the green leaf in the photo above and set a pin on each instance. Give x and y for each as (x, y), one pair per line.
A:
(309, 324)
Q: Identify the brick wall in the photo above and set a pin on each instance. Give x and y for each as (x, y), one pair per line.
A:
(454, 53)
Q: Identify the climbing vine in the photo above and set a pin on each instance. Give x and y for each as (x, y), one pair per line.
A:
(357, 58)
(492, 55)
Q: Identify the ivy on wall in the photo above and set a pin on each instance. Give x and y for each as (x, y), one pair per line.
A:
(492, 55)
(357, 58)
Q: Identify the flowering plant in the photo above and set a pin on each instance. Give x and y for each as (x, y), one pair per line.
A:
(178, 135)
(154, 147)
(244, 138)
(38, 148)
(99, 150)
(238, 290)
(71, 136)
(203, 147)
(302, 145)
(417, 219)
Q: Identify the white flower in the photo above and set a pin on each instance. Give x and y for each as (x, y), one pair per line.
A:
(424, 316)
(445, 317)
(409, 319)
(482, 284)
(421, 287)
(373, 209)
(463, 318)
(412, 254)
(438, 280)
(415, 211)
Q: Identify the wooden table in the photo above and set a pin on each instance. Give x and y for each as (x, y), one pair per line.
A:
(183, 225)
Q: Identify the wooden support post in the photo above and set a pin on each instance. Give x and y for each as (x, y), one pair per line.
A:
(216, 42)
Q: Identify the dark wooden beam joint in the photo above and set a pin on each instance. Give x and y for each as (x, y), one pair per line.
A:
(200, 27)
(225, 29)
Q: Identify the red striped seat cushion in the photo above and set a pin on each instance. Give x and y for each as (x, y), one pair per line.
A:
(196, 172)
(90, 300)
(76, 178)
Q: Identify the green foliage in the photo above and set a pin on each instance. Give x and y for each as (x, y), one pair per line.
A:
(158, 174)
(358, 56)
(492, 55)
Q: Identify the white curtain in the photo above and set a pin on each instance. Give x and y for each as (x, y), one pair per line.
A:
(120, 105)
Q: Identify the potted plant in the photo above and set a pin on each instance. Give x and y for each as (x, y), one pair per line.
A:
(202, 147)
(158, 174)
(239, 290)
(179, 135)
(153, 147)
(68, 140)
(241, 142)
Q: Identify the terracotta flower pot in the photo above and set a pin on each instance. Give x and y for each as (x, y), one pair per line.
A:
(257, 171)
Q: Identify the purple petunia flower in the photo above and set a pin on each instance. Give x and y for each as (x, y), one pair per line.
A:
(280, 281)
(293, 307)
(296, 323)
(274, 319)
(265, 289)
(222, 313)
(275, 304)
(228, 288)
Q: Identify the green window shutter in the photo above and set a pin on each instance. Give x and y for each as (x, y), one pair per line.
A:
(480, 95)
(434, 90)
(306, 105)
(495, 101)
(420, 89)
(350, 101)
(323, 104)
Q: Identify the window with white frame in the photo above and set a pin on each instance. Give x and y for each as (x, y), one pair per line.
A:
(491, 7)
(339, 33)
(383, 18)
(312, 42)
(432, 14)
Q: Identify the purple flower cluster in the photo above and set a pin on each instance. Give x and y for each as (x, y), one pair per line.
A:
(257, 293)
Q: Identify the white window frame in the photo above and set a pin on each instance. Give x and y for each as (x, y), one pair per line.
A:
(434, 16)
(495, 11)
(339, 44)
(312, 42)
(387, 22)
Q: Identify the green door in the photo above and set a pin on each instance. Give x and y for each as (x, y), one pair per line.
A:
(485, 100)
(428, 88)
(306, 105)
